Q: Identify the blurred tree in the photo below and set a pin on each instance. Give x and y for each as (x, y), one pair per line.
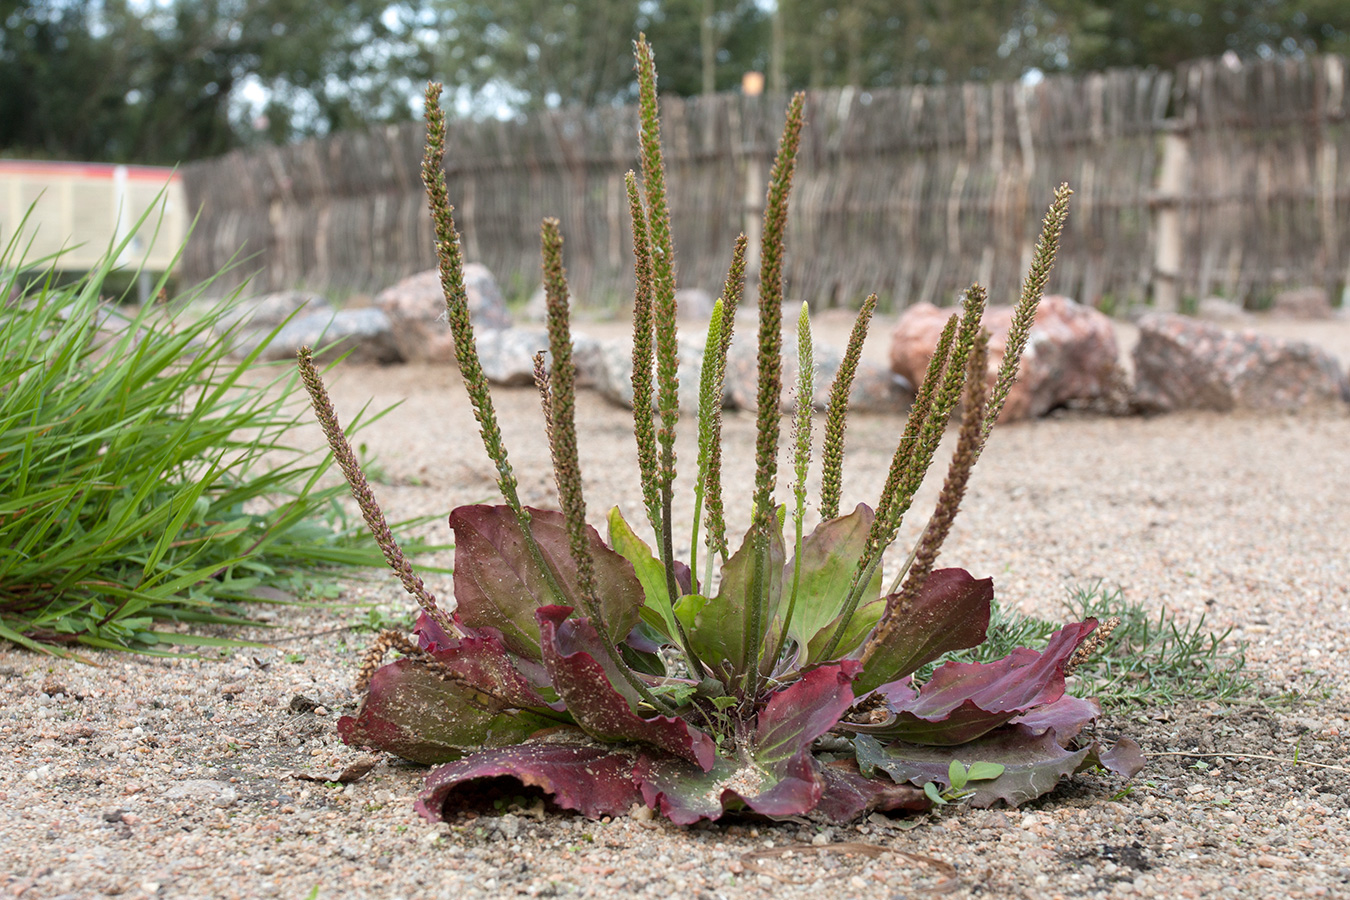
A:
(533, 54)
(537, 54)
(174, 80)
(179, 80)
(703, 46)
(874, 43)
(57, 80)
(1084, 35)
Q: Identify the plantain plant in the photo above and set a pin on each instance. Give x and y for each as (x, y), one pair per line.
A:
(772, 676)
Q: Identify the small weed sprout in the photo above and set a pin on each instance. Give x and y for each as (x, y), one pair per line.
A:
(610, 673)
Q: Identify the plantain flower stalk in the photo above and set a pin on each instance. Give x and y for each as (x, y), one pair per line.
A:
(365, 499)
(836, 416)
(711, 475)
(541, 384)
(451, 262)
(919, 414)
(712, 381)
(770, 370)
(709, 398)
(644, 429)
(562, 385)
(949, 500)
(801, 462)
(663, 299)
(1024, 316)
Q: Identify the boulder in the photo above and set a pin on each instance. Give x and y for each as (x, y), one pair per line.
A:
(1217, 309)
(366, 333)
(615, 376)
(1302, 303)
(269, 310)
(249, 320)
(1071, 354)
(416, 310)
(536, 310)
(1180, 363)
(507, 355)
(875, 389)
(694, 305)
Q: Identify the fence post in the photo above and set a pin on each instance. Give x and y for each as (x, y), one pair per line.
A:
(1167, 198)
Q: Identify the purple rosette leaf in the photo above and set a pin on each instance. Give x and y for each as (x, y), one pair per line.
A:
(850, 795)
(778, 776)
(499, 584)
(951, 612)
(416, 712)
(513, 682)
(684, 794)
(431, 637)
(1033, 764)
(802, 712)
(601, 700)
(573, 770)
(1124, 758)
(1067, 716)
(965, 700)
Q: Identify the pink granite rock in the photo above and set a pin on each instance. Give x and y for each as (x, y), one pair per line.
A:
(1071, 354)
(1180, 363)
(416, 310)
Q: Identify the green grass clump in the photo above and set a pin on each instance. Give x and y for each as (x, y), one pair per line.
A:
(144, 480)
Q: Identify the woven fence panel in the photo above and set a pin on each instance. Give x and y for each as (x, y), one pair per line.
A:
(913, 192)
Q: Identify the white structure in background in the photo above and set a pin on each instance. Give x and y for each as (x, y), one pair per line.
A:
(82, 210)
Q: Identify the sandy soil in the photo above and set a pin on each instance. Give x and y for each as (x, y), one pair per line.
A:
(150, 778)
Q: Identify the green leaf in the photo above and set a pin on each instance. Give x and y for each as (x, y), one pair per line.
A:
(932, 792)
(830, 556)
(677, 693)
(984, 771)
(719, 631)
(656, 609)
(864, 619)
(956, 773)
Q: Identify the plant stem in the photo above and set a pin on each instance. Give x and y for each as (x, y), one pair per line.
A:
(901, 461)
(644, 430)
(949, 500)
(1047, 247)
(709, 396)
(663, 299)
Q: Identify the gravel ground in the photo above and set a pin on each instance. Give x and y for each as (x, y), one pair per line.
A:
(142, 777)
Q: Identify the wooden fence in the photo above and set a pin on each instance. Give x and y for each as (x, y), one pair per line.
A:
(912, 193)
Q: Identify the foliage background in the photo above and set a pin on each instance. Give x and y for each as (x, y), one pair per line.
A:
(176, 80)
